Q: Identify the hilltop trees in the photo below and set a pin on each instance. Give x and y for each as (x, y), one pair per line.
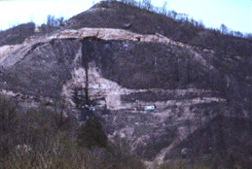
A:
(180, 27)
(52, 21)
(130, 2)
(164, 8)
(147, 5)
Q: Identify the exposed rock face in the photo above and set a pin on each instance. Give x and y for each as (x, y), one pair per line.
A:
(184, 84)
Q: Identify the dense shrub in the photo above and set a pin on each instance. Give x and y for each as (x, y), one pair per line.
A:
(8, 121)
(91, 133)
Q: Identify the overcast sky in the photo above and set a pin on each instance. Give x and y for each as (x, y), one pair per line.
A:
(235, 14)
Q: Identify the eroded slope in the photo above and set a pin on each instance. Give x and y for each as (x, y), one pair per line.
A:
(185, 84)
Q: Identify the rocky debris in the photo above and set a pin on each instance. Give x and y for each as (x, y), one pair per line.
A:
(36, 30)
(120, 34)
(21, 150)
(50, 51)
(144, 137)
(115, 34)
(100, 33)
(99, 87)
(11, 54)
(140, 128)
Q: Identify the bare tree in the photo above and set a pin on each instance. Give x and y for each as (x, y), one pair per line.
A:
(201, 24)
(164, 8)
(131, 2)
(60, 108)
(231, 33)
(248, 36)
(224, 29)
(147, 5)
(238, 34)
(139, 4)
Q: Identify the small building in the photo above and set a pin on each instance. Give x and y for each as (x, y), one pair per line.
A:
(90, 108)
(151, 107)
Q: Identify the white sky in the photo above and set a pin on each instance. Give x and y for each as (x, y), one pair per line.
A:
(235, 14)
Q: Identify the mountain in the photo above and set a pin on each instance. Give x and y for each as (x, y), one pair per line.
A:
(198, 79)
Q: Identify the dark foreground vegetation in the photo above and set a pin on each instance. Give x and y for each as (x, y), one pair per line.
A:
(45, 138)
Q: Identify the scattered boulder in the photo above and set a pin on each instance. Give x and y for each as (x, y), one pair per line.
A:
(36, 30)
(23, 149)
(127, 25)
(186, 152)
